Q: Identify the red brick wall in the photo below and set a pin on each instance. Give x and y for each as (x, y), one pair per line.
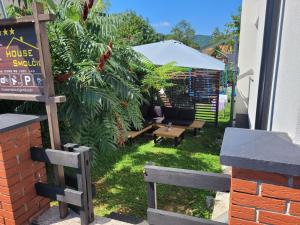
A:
(18, 173)
(264, 198)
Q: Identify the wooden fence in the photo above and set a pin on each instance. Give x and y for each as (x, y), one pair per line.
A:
(183, 178)
(199, 90)
(78, 193)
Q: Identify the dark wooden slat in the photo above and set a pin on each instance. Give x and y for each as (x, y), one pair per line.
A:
(160, 217)
(64, 195)
(151, 195)
(32, 98)
(46, 17)
(88, 158)
(27, 19)
(71, 181)
(217, 109)
(199, 105)
(205, 112)
(206, 109)
(84, 185)
(81, 182)
(187, 178)
(62, 158)
(69, 147)
(208, 116)
(151, 191)
(23, 97)
(74, 208)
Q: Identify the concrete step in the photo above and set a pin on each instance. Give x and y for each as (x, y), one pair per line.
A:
(51, 217)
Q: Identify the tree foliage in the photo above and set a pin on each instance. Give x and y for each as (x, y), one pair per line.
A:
(98, 73)
(183, 32)
(232, 29)
(93, 70)
(158, 78)
(135, 30)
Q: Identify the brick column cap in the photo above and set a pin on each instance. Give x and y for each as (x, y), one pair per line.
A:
(13, 121)
(260, 150)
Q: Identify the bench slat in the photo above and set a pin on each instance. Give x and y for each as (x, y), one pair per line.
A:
(160, 217)
(187, 178)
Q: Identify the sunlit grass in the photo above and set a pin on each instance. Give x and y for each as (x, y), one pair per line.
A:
(119, 174)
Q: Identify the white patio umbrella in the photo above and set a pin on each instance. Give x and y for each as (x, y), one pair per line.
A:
(161, 53)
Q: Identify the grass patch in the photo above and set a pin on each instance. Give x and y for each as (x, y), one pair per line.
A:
(119, 174)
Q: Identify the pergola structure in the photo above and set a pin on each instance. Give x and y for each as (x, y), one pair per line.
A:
(198, 88)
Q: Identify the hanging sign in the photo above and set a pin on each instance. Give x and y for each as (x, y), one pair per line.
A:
(20, 68)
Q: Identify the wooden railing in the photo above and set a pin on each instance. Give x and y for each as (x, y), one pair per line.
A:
(78, 192)
(184, 178)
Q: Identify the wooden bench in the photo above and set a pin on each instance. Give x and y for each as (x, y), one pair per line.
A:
(134, 134)
(196, 125)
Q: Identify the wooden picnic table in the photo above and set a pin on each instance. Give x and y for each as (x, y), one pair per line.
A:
(196, 125)
(174, 133)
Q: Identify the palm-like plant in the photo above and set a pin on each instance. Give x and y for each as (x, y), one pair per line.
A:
(96, 71)
(93, 70)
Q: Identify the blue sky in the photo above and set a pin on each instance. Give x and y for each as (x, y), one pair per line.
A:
(204, 15)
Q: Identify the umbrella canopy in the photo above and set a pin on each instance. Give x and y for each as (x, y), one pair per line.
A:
(161, 53)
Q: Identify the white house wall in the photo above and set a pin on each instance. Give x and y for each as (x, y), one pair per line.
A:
(287, 98)
(250, 49)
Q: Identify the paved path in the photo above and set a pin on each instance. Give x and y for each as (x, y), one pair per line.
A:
(221, 208)
(51, 217)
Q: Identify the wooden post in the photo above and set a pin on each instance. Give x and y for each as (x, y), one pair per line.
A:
(151, 191)
(49, 92)
(84, 185)
(234, 78)
(217, 100)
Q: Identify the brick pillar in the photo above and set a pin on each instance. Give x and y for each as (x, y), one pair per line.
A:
(259, 197)
(18, 174)
(265, 182)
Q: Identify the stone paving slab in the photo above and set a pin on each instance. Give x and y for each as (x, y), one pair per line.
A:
(221, 208)
(51, 217)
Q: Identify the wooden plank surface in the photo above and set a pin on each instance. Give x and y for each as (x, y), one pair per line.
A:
(81, 182)
(32, 98)
(160, 217)
(134, 134)
(23, 97)
(172, 133)
(27, 19)
(88, 161)
(199, 124)
(66, 195)
(50, 156)
(187, 178)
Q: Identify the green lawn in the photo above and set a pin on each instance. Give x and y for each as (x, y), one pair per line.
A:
(119, 174)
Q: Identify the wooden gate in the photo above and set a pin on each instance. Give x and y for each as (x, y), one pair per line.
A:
(182, 178)
(78, 193)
